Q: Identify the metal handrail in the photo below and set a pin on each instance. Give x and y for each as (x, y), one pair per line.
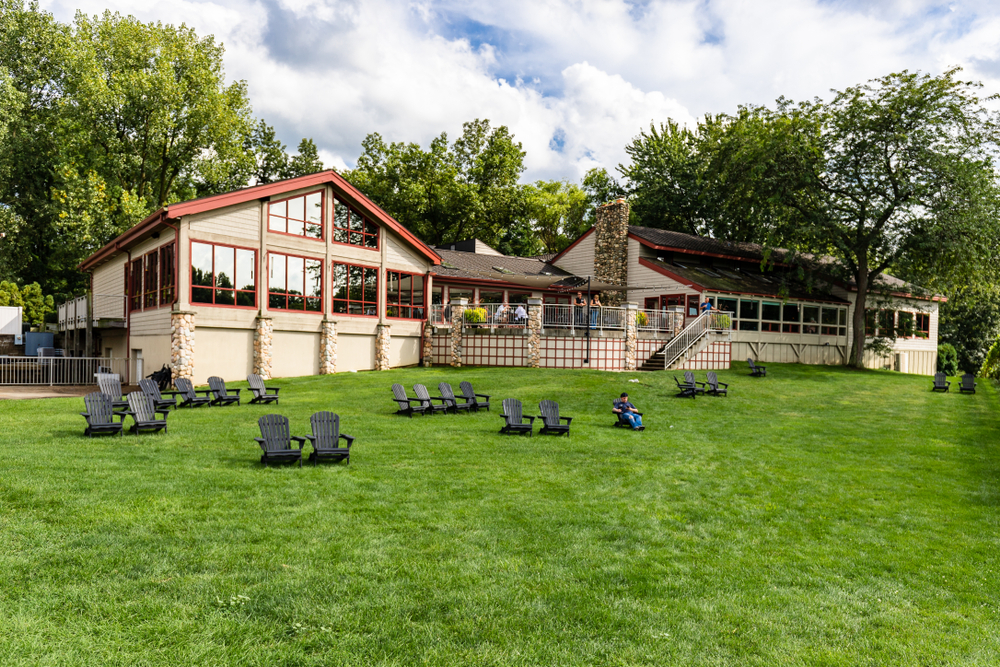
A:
(713, 320)
(58, 370)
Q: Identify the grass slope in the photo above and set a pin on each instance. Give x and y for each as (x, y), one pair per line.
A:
(819, 516)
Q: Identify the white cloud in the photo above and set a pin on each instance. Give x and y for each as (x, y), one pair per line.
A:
(575, 80)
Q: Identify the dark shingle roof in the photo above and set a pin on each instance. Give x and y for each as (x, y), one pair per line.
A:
(457, 264)
(681, 241)
(776, 284)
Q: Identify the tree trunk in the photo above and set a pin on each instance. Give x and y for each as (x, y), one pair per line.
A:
(857, 356)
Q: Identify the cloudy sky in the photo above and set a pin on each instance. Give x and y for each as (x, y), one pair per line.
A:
(575, 80)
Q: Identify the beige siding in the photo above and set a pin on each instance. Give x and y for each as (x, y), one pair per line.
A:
(223, 318)
(404, 351)
(109, 281)
(152, 322)
(355, 353)
(340, 252)
(115, 339)
(240, 222)
(579, 260)
(659, 284)
(227, 353)
(399, 256)
(155, 352)
(788, 353)
(141, 249)
(294, 354)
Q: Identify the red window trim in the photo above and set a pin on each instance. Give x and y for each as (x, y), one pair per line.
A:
(172, 266)
(135, 291)
(364, 218)
(322, 216)
(322, 277)
(378, 279)
(192, 286)
(411, 306)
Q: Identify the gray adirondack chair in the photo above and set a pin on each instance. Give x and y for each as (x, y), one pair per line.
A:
(699, 387)
(755, 370)
(326, 437)
(617, 410)
(276, 441)
(715, 387)
(151, 389)
(100, 415)
(968, 384)
(472, 397)
(407, 406)
(684, 389)
(940, 382)
(261, 394)
(514, 418)
(189, 396)
(221, 395)
(110, 385)
(143, 413)
(552, 422)
(454, 402)
(428, 401)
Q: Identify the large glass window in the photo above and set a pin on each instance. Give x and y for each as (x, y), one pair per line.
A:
(135, 284)
(770, 313)
(151, 280)
(460, 293)
(692, 308)
(923, 329)
(887, 323)
(355, 289)
(294, 283)
(869, 322)
(904, 325)
(490, 297)
(299, 216)
(223, 275)
(404, 295)
(832, 320)
(810, 319)
(790, 314)
(168, 278)
(350, 227)
(749, 310)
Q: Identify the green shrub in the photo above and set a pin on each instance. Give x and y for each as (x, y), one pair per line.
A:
(475, 315)
(641, 319)
(947, 361)
(991, 366)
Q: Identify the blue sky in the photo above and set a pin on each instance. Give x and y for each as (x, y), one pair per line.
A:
(575, 80)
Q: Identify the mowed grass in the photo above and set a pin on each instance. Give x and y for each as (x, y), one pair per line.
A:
(819, 516)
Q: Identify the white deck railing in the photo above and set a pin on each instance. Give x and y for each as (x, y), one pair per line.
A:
(73, 313)
(57, 370)
(713, 320)
(654, 320)
(554, 316)
(562, 316)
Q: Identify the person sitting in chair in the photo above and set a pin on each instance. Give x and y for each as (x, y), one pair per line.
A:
(629, 413)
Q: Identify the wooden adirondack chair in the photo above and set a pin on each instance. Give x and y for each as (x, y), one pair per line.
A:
(514, 418)
(326, 438)
(449, 396)
(940, 382)
(151, 389)
(968, 384)
(262, 394)
(407, 406)
(622, 422)
(143, 413)
(472, 397)
(714, 385)
(755, 370)
(699, 387)
(276, 441)
(110, 385)
(551, 419)
(189, 396)
(100, 415)
(427, 400)
(221, 394)
(684, 389)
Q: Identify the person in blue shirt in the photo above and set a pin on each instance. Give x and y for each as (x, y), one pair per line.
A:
(629, 413)
(706, 305)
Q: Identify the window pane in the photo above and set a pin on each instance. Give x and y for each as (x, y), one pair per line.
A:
(371, 241)
(296, 302)
(371, 227)
(354, 280)
(246, 267)
(829, 316)
(225, 267)
(437, 296)
(391, 287)
(340, 214)
(201, 295)
(279, 208)
(296, 227)
(790, 313)
(405, 289)
(277, 281)
(314, 231)
(296, 209)
(749, 310)
(276, 300)
(276, 224)
(356, 222)
(418, 292)
(314, 207)
(312, 305)
(810, 319)
(748, 326)
(201, 265)
(314, 278)
(727, 305)
(340, 306)
(843, 316)
(356, 238)
(371, 285)
(340, 235)
(770, 311)
(296, 277)
(225, 297)
(246, 299)
(339, 282)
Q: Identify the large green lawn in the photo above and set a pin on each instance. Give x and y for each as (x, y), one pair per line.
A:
(818, 516)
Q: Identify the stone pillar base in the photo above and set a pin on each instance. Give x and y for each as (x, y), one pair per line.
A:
(427, 343)
(328, 348)
(383, 338)
(457, 330)
(182, 344)
(534, 332)
(262, 340)
(631, 335)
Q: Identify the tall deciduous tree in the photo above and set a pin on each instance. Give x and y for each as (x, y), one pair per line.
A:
(557, 210)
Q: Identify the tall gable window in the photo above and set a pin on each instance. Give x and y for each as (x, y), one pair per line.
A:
(298, 216)
(223, 275)
(352, 228)
(167, 277)
(135, 284)
(295, 283)
(404, 295)
(355, 289)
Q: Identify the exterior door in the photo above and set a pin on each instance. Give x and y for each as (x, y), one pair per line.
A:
(691, 311)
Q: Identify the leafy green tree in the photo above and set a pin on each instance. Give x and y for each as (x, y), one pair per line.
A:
(557, 210)
(10, 295)
(306, 161)
(451, 193)
(970, 322)
(36, 304)
(600, 188)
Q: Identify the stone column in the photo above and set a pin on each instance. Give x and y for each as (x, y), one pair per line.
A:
(328, 348)
(611, 248)
(675, 315)
(182, 344)
(457, 327)
(383, 337)
(263, 337)
(427, 342)
(534, 332)
(631, 334)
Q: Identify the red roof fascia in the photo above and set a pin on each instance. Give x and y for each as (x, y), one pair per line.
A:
(148, 224)
(455, 281)
(670, 274)
(570, 246)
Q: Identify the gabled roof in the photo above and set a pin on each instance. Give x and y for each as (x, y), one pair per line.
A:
(665, 239)
(257, 192)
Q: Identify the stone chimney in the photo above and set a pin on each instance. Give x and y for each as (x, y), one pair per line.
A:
(611, 248)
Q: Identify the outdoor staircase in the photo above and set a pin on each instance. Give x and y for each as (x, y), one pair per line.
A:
(689, 342)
